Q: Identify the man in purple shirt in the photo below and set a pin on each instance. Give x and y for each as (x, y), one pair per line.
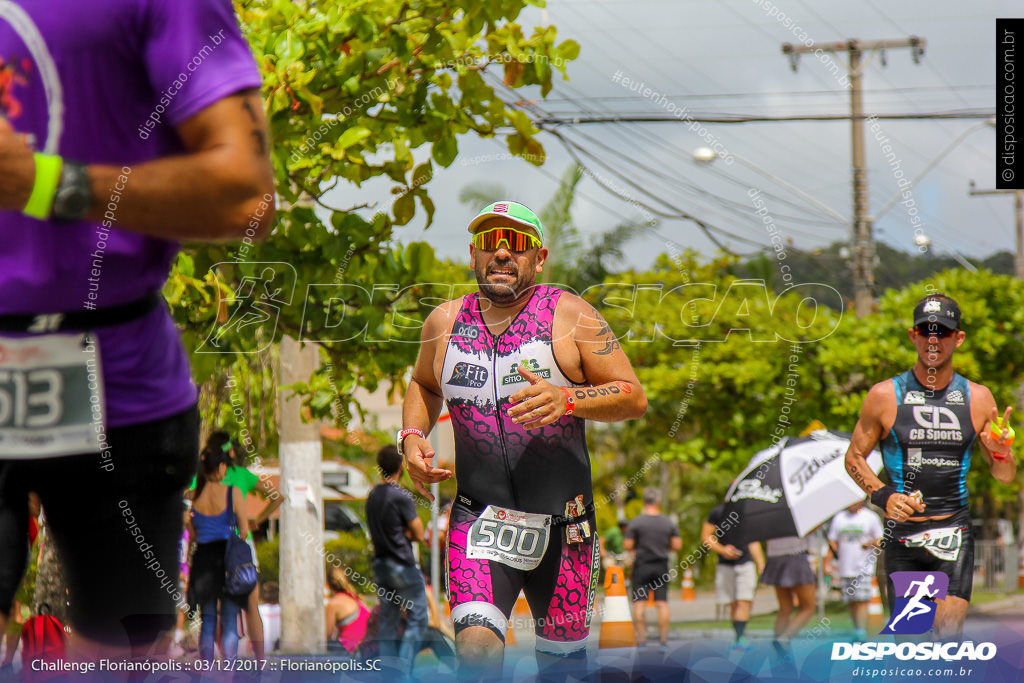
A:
(126, 125)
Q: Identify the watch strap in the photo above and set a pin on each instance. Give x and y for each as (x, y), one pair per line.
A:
(74, 185)
(570, 402)
(402, 433)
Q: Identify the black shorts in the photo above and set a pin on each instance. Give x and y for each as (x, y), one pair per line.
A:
(900, 558)
(648, 578)
(117, 529)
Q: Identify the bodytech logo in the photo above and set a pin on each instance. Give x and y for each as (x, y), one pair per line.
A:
(939, 424)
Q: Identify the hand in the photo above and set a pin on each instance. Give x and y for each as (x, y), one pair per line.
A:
(418, 456)
(537, 405)
(901, 506)
(731, 552)
(17, 168)
(254, 525)
(999, 448)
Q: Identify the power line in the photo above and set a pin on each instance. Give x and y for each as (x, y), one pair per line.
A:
(742, 118)
(774, 93)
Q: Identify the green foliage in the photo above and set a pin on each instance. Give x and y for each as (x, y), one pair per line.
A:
(354, 551)
(27, 590)
(357, 90)
(723, 379)
(268, 554)
(714, 355)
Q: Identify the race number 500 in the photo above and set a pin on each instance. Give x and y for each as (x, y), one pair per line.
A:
(507, 538)
(31, 398)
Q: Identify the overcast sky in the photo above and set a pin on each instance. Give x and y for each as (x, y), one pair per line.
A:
(724, 58)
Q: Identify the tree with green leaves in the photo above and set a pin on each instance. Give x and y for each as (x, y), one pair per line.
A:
(729, 367)
(356, 91)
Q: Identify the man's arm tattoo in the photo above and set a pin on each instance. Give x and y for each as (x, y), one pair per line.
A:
(859, 478)
(606, 335)
(258, 135)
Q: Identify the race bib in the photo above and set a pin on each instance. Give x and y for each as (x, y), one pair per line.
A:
(51, 396)
(942, 543)
(516, 539)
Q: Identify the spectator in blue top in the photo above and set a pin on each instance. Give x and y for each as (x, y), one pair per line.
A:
(210, 525)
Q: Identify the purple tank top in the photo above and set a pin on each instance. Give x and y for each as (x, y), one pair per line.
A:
(497, 461)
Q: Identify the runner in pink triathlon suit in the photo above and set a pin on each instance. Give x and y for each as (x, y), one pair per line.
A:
(521, 367)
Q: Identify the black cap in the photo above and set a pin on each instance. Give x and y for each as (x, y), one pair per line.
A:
(943, 312)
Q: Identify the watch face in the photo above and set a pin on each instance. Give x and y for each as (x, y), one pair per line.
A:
(75, 204)
(73, 196)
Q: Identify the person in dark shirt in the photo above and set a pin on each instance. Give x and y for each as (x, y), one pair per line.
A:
(737, 572)
(651, 536)
(393, 522)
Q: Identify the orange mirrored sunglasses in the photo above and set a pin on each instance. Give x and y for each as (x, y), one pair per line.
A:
(515, 240)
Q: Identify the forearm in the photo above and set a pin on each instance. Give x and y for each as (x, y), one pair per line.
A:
(610, 402)
(269, 509)
(1004, 470)
(757, 554)
(710, 542)
(200, 196)
(859, 470)
(421, 407)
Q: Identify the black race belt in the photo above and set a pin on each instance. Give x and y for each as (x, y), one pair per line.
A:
(79, 321)
(556, 520)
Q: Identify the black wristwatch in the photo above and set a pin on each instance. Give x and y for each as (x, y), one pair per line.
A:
(73, 197)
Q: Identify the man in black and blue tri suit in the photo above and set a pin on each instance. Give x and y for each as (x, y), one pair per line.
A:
(926, 421)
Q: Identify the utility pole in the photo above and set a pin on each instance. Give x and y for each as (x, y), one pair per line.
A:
(302, 560)
(862, 241)
(1018, 206)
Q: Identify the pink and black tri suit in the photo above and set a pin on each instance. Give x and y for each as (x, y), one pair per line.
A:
(525, 499)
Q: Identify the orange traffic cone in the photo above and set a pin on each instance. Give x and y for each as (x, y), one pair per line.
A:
(689, 593)
(617, 624)
(876, 616)
(521, 609)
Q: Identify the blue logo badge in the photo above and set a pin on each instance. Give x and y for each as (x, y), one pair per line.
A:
(916, 592)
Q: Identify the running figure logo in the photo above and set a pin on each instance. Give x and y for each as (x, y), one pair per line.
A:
(257, 303)
(914, 613)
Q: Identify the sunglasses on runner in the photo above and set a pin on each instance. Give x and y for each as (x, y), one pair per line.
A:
(490, 240)
(939, 331)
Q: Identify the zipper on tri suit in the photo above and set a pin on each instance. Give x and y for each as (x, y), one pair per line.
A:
(500, 419)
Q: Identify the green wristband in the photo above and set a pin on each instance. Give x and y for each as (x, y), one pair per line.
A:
(40, 202)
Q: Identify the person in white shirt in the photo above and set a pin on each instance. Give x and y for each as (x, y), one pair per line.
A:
(855, 536)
